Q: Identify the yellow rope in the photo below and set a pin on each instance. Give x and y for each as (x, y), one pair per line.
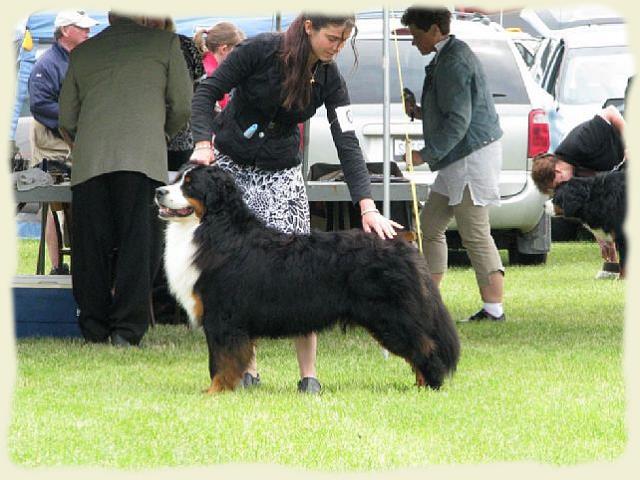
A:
(407, 150)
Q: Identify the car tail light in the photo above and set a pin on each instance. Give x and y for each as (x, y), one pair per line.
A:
(538, 133)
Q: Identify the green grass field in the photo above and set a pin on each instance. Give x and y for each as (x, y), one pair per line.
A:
(546, 386)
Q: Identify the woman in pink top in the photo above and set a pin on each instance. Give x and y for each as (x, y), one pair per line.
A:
(215, 44)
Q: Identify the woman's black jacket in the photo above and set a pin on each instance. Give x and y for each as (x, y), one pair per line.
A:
(254, 71)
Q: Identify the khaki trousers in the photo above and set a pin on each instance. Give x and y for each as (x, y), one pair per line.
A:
(45, 144)
(475, 232)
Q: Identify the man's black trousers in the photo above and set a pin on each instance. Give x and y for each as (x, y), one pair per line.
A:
(116, 238)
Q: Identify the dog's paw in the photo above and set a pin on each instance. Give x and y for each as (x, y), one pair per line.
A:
(548, 208)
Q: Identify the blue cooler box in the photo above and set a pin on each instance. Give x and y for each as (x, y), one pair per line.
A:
(44, 306)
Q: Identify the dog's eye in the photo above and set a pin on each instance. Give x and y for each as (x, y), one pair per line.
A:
(187, 179)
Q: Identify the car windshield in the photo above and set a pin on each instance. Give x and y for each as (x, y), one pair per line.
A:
(593, 75)
(365, 80)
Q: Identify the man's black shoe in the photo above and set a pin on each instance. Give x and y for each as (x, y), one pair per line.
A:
(62, 269)
(482, 316)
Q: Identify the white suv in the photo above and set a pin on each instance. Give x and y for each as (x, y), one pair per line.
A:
(520, 224)
(581, 68)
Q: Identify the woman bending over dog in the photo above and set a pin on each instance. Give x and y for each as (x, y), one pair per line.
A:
(594, 146)
(280, 79)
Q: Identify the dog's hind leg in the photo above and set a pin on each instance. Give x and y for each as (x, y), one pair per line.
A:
(437, 349)
(421, 355)
(418, 360)
(429, 369)
(227, 363)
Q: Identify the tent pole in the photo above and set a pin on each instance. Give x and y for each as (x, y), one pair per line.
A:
(386, 166)
(386, 205)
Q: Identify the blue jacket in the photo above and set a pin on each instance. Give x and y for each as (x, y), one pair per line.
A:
(44, 85)
(458, 113)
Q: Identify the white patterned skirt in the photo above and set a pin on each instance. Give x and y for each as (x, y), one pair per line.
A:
(277, 197)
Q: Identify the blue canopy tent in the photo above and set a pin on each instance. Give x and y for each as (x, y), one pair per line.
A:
(26, 60)
(41, 24)
(40, 27)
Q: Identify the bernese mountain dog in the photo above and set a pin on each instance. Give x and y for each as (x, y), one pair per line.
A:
(599, 202)
(241, 281)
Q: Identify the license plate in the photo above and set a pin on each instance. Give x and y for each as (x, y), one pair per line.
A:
(398, 146)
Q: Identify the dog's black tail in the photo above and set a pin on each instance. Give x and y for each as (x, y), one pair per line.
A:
(408, 318)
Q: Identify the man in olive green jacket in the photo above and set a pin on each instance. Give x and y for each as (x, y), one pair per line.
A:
(126, 91)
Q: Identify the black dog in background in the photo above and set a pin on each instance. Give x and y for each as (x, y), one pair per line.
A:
(241, 281)
(600, 202)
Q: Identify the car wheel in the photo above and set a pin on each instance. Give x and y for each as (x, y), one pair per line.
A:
(563, 230)
(518, 258)
(458, 258)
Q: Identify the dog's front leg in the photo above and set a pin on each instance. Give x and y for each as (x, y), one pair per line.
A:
(213, 388)
(227, 363)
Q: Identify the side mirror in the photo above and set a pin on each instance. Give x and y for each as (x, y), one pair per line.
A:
(616, 102)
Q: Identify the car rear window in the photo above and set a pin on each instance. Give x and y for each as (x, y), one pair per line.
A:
(592, 75)
(365, 81)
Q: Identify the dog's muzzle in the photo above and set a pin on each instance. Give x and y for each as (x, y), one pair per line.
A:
(164, 211)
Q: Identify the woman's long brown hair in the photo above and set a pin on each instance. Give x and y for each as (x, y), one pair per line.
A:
(295, 52)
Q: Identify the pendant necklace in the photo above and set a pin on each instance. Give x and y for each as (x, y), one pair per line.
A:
(313, 75)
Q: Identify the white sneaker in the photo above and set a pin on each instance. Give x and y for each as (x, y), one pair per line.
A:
(605, 275)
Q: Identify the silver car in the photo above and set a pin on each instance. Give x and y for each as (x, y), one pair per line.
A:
(520, 224)
(581, 68)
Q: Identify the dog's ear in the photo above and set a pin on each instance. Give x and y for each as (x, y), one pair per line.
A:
(184, 168)
(221, 189)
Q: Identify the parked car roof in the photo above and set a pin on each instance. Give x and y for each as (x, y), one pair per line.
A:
(594, 36)
(468, 25)
(549, 20)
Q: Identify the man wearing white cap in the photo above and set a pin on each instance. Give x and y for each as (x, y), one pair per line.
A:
(71, 29)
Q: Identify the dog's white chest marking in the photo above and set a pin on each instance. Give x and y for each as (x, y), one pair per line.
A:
(182, 274)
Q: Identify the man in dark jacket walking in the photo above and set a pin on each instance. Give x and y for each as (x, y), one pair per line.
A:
(461, 133)
(127, 90)
(71, 29)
